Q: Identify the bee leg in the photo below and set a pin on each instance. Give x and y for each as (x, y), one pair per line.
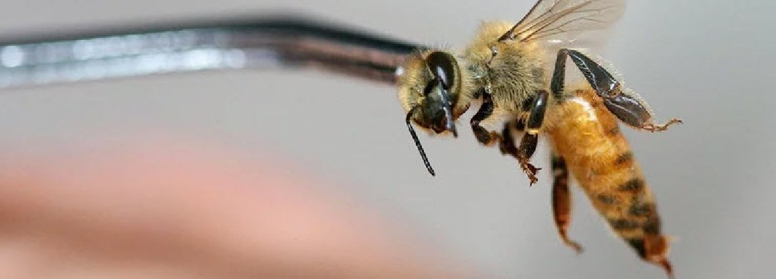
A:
(634, 112)
(623, 103)
(604, 84)
(531, 137)
(523, 154)
(529, 140)
(561, 200)
(486, 110)
(507, 146)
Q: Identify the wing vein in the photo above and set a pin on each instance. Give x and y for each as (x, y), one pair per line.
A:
(549, 18)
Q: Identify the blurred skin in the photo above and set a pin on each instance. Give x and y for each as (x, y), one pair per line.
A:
(162, 209)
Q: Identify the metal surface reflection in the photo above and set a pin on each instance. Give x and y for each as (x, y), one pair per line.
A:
(175, 48)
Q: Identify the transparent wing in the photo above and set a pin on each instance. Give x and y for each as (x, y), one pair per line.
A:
(564, 20)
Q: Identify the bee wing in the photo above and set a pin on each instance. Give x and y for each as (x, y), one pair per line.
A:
(563, 20)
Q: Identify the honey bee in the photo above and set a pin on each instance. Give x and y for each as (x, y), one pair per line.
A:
(505, 67)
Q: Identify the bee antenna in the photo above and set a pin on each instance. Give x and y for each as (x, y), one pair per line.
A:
(417, 141)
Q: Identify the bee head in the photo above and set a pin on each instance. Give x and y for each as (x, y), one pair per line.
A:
(440, 93)
(430, 91)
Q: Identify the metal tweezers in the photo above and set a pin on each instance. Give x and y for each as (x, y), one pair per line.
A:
(280, 40)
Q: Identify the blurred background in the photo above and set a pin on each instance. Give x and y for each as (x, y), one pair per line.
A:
(709, 64)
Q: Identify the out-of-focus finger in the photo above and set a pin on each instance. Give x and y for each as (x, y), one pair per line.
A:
(167, 210)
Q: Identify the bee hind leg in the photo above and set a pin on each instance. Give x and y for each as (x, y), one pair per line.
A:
(625, 104)
(660, 127)
(561, 200)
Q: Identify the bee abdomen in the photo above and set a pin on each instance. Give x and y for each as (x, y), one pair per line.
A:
(587, 135)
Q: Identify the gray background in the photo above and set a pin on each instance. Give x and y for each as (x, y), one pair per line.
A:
(710, 63)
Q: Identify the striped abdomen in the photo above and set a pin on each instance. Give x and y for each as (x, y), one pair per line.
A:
(587, 141)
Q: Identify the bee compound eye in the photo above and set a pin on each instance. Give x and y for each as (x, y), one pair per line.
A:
(443, 66)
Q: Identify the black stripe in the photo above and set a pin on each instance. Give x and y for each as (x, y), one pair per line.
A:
(623, 224)
(624, 158)
(607, 199)
(633, 185)
(652, 226)
(638, 245)
(640, 209)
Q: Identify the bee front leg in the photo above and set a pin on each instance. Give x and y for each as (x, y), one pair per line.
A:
(561, 200)
(625, 104)
(486, 110)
